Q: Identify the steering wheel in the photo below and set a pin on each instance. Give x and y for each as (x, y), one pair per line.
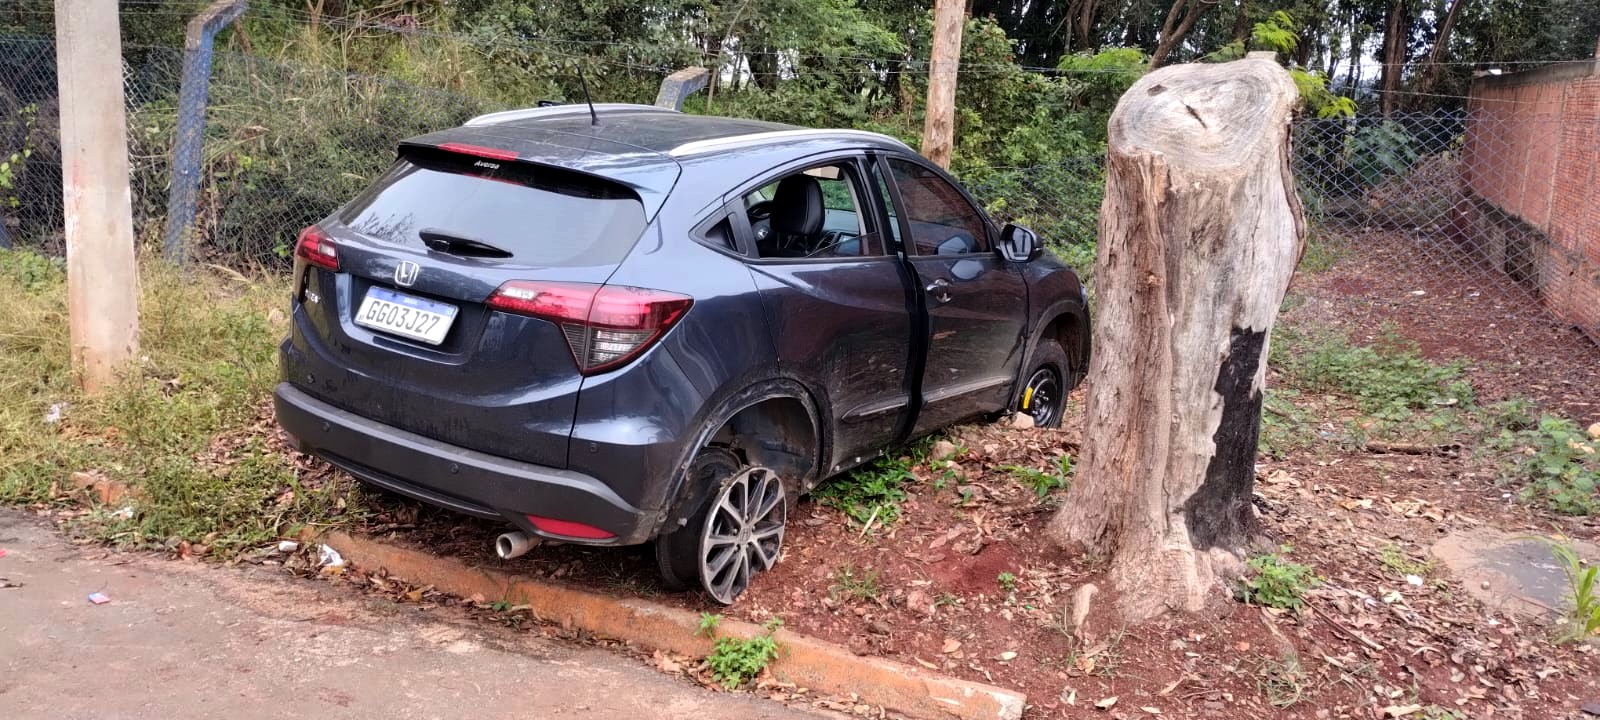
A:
(760, 214)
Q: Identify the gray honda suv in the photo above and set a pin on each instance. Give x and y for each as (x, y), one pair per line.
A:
(639, 325)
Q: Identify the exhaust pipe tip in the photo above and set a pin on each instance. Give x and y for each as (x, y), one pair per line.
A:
(514, 544)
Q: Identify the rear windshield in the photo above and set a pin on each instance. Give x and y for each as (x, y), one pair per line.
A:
(538, 214)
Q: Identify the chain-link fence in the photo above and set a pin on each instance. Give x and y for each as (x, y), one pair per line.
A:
(283, 145)
(1420, 216)
(1444, 205)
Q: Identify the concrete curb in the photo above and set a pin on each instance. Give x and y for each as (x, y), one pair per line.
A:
(805, 661)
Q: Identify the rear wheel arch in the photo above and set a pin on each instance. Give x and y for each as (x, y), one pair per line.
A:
(774, 423)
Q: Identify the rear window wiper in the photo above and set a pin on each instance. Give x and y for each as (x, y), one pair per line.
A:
(464, 247)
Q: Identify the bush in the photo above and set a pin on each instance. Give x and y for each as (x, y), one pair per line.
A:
(736, 661)
(1278, 583)
(1556, 462)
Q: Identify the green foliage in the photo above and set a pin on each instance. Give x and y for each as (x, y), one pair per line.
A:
(1557, 463)
(854, 584)
(1008, 581)
(1277, 582)
(32, 271)
(13, 162)
(1285, 427)
(1388, 375)
(1316, 98)
(1378, 152)
(1041, 482)
(709, 622)
(1584, 616)
(181, 429)
(1277, 33)
(869, 494)
(736, 661)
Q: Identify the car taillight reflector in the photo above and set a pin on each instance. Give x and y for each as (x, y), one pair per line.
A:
(315, 247)
(478, 151)
(568, 528)
(605, 325)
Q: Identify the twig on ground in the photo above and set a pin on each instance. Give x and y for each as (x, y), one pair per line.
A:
(1388, 448)
(1347, 632)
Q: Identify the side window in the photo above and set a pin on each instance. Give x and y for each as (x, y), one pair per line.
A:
(942, 221)
(720, 235)
(814, 213)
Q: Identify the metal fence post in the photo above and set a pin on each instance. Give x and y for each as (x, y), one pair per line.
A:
(5, 240)
(189, 139)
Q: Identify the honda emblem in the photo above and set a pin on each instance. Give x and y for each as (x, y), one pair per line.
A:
(406, 273)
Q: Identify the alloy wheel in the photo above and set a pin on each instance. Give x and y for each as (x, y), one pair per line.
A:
(743, 533)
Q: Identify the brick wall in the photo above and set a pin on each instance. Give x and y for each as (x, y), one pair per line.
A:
(1532, 172)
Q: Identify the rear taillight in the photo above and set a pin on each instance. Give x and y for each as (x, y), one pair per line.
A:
(605, 325)
(317, 249)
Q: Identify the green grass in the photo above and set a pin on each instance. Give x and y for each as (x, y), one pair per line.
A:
(871, 493)
(1389, 375)
(1285, 427)
(1277, 582)
(1043, 482)
(1583, 587)
(205, 366)
(853, 583)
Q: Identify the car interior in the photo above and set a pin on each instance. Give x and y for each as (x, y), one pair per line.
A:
(810, 214)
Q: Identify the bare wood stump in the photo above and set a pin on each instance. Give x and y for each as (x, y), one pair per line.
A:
(1200, 232)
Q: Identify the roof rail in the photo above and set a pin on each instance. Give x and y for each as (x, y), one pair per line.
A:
(550, 111)
(699, 147)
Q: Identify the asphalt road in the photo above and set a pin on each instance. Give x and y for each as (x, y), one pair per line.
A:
(186, 640)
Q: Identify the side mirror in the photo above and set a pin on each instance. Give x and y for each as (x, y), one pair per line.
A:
(1019, 244)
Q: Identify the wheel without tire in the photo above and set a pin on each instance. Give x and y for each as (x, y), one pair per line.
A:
(1044, 389)
(736, 534)
(742, 533)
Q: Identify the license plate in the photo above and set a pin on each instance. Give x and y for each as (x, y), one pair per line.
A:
(406, 315)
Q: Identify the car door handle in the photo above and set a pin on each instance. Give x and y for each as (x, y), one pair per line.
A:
(939, 290)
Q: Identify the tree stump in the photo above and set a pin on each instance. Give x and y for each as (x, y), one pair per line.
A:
(1200, 232)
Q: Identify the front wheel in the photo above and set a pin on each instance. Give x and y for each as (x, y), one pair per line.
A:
(1044, 389)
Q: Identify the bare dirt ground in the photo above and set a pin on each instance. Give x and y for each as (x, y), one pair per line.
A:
(928, 588)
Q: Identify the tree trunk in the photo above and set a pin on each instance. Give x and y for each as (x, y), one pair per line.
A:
(1200, 231)
(1396, 30)
(1430, 73)
(1242, 24)
(938, 129)
(1083, 26)
(1174, 29)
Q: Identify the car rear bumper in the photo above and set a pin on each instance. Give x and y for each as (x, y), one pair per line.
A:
(454, 477)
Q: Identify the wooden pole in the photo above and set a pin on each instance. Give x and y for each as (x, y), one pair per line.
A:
(1200, 232)
(102, 278)
(939, 127)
